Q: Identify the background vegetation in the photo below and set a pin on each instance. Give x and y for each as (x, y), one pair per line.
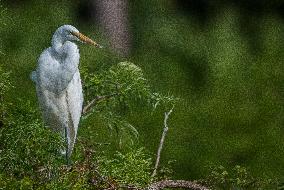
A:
(224, 60)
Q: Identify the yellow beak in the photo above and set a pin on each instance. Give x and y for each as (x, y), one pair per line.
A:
(85, 39)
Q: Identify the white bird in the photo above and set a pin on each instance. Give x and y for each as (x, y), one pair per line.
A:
(58, 84)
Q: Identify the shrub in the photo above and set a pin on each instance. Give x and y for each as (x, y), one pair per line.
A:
(5, 86)
(115, 90)
(27, 147)
(238, 178)
(133, 167)
(30, 155)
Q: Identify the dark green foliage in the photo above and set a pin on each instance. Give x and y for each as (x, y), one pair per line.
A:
(27, 147)
(132, 168)
(125, 79)
(3, 16)
(232, 108)
(237, 178)
(8, 182)
(28, 150)
(5, 85)
(116, 91)
(119, 87)
(95, 171)
(30, 153)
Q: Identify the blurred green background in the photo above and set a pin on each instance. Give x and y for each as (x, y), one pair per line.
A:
(224, 59)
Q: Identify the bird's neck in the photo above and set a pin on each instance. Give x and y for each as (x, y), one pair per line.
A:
(57, 44)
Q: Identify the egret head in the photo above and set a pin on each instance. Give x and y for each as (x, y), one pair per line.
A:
(70, 33)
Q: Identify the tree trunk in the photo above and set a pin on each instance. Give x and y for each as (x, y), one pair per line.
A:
(113, 18)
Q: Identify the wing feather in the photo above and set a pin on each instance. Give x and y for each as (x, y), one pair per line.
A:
(59, 91)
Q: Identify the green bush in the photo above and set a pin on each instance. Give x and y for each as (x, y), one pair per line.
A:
(119, 89)
(133, 167)
(5, 86)
(238, 178)
(28, 150)
(27, 147)
(8, 182)
(30, 157)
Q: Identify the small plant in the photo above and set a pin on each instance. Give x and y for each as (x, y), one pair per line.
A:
(3, 18)
(2, 13)
(27, 147)
(237, 178)
(5, 86)
(30, 155)
(110, 93)
(132, 168)
(5, 83)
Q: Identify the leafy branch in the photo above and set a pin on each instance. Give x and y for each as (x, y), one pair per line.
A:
(121, 86)
(96, 100)
(124, 84)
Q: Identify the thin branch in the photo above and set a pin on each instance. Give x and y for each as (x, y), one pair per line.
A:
(166, 128)
(97, 99)
(176, 184)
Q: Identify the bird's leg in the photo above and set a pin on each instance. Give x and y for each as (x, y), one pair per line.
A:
(67, 150)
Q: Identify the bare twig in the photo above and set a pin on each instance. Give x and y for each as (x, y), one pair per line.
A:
(166, 128)
(176, 184)
(97, 99)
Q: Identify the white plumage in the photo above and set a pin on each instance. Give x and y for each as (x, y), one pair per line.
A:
(58, 84)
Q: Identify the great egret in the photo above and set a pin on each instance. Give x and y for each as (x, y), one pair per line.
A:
(58, 84)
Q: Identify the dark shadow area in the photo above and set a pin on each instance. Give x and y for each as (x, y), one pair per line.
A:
(86, 12)
(203, 10)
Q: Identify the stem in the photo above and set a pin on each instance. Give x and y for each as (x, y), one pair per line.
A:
(166, 128)
(66, 149)
(97, 99)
